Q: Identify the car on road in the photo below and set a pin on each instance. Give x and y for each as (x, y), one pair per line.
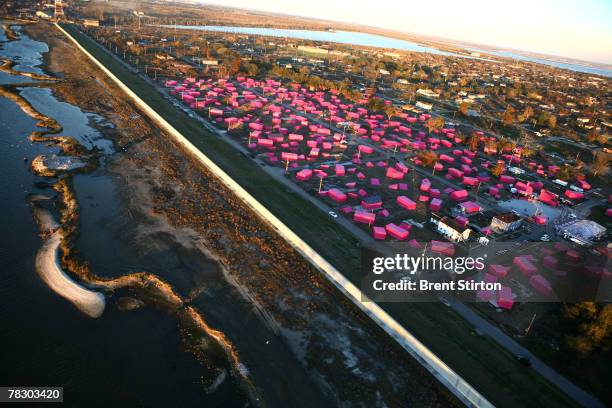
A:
(545, 238)
(333, 214)
(526, 361)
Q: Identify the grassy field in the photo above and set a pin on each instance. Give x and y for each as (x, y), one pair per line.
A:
(492, 370)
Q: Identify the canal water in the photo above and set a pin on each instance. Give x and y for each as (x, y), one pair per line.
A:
(123, 358)
(341, 37)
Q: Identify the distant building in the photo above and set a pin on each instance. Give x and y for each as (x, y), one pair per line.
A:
(582, 232)
(90, 22)
(393, 55)
(313, 50)
(427, 92)
(451, 229)
(42, 15)
(505, 222)
(423, 105)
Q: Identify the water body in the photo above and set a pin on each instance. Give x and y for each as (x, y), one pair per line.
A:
(26, 53)
(342, 37)
(558, 64)
(74, 122)
(132, 358)
(122, 359)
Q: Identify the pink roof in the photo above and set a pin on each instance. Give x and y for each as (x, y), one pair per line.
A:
(524, 265)
(406, 202)
(435, 204)
(379, 233)
(396, 232)
(458, 195)
(304, 174)
(364, 217)
(394, 174)
(505, 300)
(541, 284)
(469, 207)
(498, 270)
(336, 195)
(445, 248)
(574, 195)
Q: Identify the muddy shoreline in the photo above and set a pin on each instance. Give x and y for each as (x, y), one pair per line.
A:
(345, 353)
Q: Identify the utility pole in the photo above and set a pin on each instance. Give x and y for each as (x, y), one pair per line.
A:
(528, 329)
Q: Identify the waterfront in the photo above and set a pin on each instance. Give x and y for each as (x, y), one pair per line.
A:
(341, 37)
(379, 41)
(200, 345)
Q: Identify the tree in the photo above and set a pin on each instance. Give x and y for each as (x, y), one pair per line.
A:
(434, 123)
(551, 122)
(375, 104)
(508, 116)
(566, 173)
(505, 144)
(592, 327)
(601, 163)
(498, 169)
(474, 142)
(391, 111)
(592, 135)
(252, 69)
(527, 113)
(428, 158)
(463, 108)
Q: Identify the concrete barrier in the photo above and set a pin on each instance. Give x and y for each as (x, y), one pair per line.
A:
(457, 385)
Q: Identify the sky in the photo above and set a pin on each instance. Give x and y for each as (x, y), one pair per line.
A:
(567, 28)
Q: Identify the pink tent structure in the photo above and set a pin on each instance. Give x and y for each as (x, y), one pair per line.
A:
(525, 265)
(574, 195)
(435, 204)
(541, 284)
(413, 243)
(445, 248)
(397, 232)
(406, 202)
(484, 295)
(379, 233)
(469, 207)
(395, 174)
(364, 217)
(458, 195)
(548, 198)
(303, 175)
(505, 299)
(336, 195)
(498, 270)
(550, 262)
